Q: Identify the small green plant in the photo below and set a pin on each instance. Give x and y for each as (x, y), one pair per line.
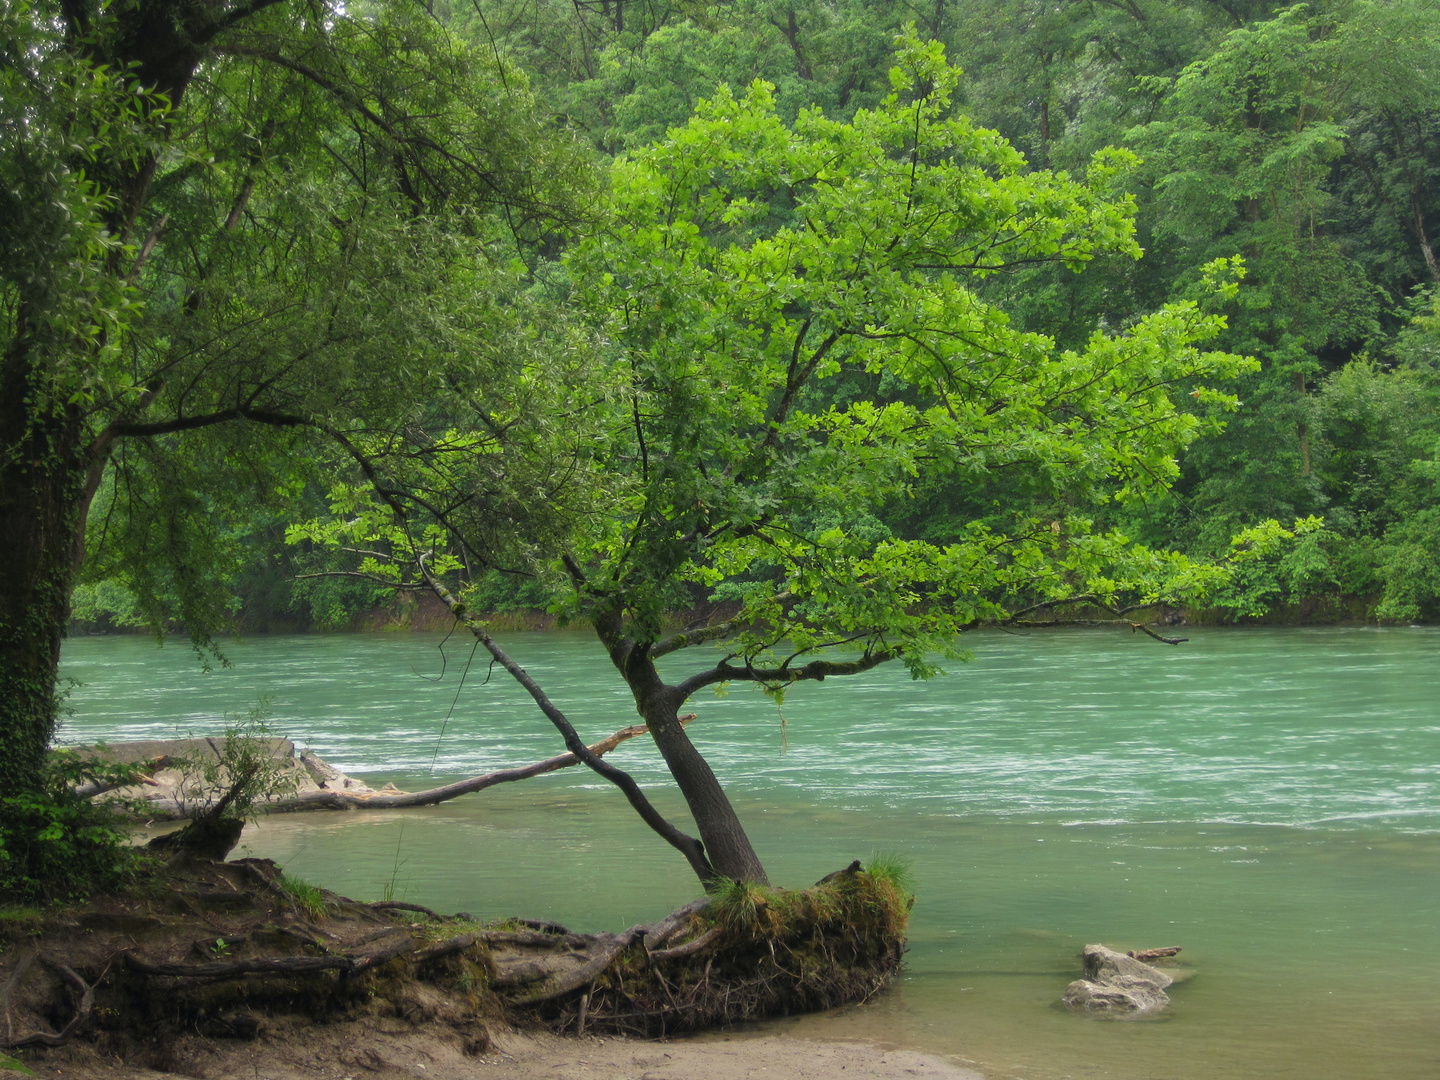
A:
(220, 947)
(9, 1064)
(894, 868)
(244, 773)
(58, 843)
(739, 904)
(307, 897)
(389, 888)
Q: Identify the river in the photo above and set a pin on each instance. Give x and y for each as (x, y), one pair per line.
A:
(1267, 799)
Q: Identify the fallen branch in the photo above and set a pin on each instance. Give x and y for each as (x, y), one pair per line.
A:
(1158, 637)
(349, 800)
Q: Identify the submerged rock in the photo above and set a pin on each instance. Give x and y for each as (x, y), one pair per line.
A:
(1117, 985)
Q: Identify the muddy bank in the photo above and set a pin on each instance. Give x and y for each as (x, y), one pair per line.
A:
(204, 964)
(389, 1052)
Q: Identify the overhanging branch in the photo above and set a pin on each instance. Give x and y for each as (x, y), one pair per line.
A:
(815, 671)
(688, 846)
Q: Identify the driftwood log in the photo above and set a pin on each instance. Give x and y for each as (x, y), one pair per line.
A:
(347, 800)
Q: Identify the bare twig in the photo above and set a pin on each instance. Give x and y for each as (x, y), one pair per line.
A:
(1158, 637)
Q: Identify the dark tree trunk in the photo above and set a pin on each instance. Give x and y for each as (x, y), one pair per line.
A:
(726, 845)
(791, 29)
(42, 480)
(46, 456)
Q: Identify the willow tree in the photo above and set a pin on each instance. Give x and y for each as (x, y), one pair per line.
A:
(235, 232)
(793, 321)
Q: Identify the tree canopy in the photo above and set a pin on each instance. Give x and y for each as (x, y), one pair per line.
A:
(796, 337)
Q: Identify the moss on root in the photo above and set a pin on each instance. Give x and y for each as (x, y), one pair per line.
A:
(208, 951)
(765, 952)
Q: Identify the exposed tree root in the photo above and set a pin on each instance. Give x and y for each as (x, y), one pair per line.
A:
(83, 1008)
(219, 950)
(749, 953)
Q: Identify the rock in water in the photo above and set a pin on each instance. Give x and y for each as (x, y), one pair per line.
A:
(1117, 985)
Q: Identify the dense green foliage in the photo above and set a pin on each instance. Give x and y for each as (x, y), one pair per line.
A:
(56, 844)
(243, 242)
(1304, 139)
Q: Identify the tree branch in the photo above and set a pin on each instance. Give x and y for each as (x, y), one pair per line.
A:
(688, 846)
(347, 800)
(815, 671)
(676, 642)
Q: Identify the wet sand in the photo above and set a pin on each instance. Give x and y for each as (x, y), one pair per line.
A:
(364, 1052)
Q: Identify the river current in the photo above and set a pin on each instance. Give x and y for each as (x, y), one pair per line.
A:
(1267, 799)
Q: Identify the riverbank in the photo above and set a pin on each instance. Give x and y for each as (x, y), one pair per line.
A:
(376, 1053)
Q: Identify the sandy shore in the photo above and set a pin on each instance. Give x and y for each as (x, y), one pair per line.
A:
(769, 1057)
(348, 1052)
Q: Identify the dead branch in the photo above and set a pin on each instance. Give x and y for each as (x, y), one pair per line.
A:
(91, 788)
(1158, 637)
(349, 800)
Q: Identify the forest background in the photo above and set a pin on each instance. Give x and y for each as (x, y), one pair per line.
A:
(1305, 139)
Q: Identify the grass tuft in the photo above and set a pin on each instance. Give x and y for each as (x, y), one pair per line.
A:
(894, 868)
(307, 897)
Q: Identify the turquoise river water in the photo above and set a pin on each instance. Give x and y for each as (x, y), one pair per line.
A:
(1267, 799)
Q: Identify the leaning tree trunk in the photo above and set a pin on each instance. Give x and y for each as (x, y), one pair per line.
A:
(42, 481)
(726, 845)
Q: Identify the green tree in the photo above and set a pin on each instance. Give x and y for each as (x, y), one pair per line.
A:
(236, 235)
(753, 267)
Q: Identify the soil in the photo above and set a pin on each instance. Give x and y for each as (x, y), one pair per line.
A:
(371, 1051)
